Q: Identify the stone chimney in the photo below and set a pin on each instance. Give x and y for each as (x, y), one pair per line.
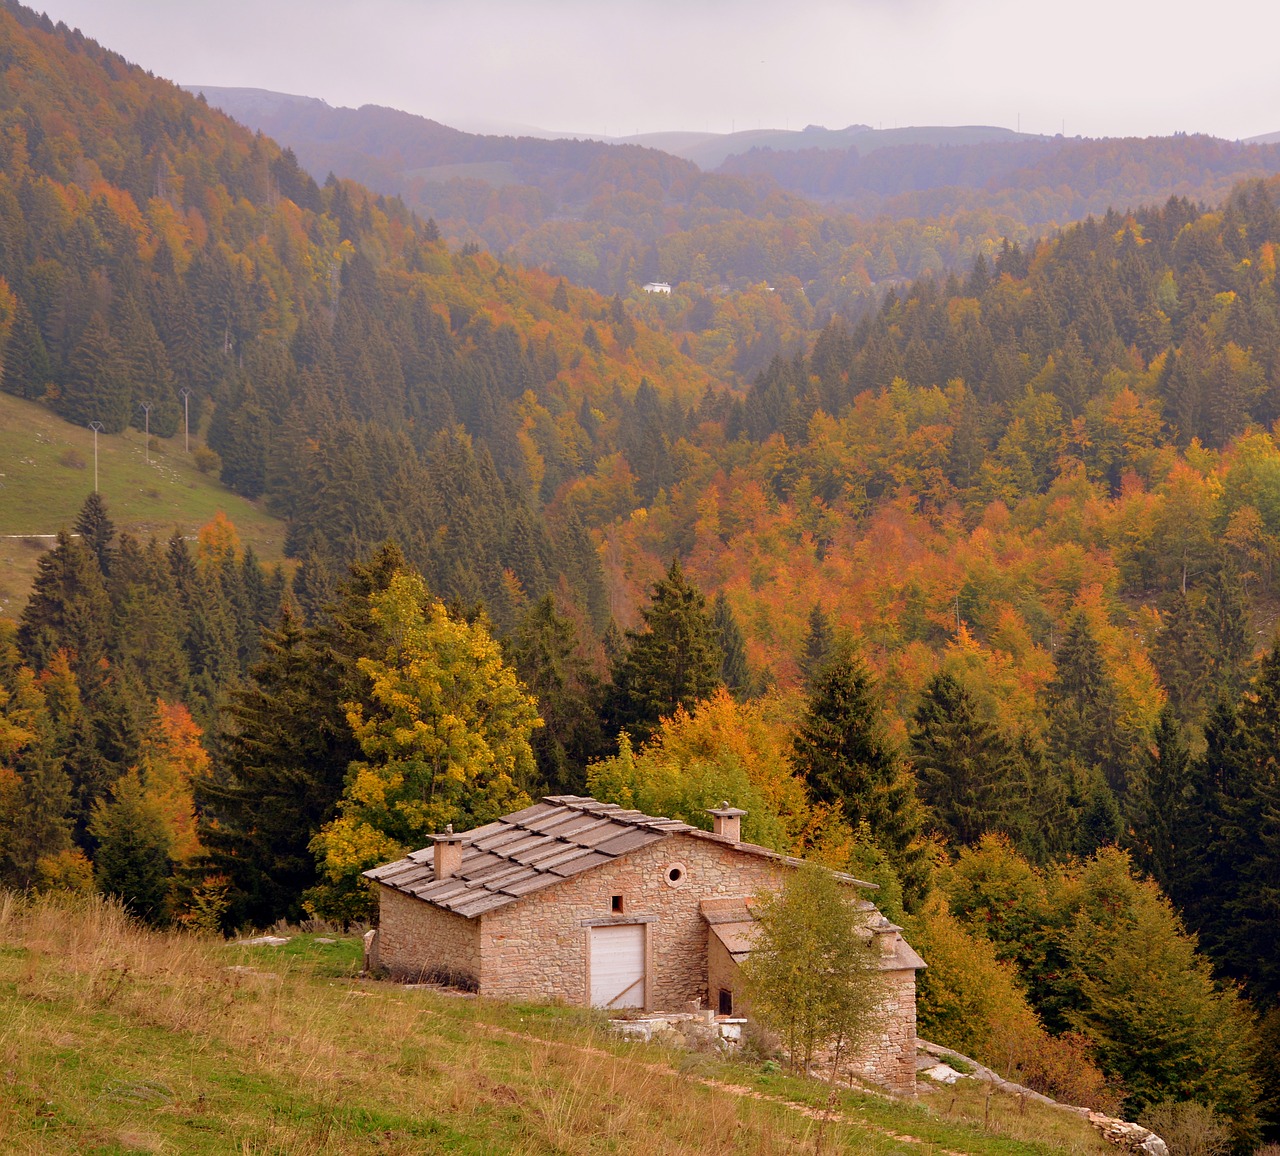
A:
(448, 853)
(728, 821)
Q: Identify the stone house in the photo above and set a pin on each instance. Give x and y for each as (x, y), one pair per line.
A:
(586, 903)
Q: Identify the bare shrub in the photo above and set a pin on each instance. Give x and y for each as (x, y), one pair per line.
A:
(72, 458)
(1190, 1129)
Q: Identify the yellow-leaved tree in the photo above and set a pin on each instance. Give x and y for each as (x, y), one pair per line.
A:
(445, 737)
(722, 750)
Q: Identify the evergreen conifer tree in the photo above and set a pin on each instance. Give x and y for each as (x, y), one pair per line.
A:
(964, 766)
(546, 655)
(41, 825)
(673, 661)
(843, 750)
(27, 371)
(734, 671)
(285, 746)
(1083, 708)
(1159, 805)
(96, 531)
(96, 386)
(132, 860)
(68, 610)
(819, 644)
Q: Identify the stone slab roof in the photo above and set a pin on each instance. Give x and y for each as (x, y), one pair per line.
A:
(734, 924)
(538, 847)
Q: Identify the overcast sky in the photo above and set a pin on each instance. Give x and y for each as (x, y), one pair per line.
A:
(1095, 67)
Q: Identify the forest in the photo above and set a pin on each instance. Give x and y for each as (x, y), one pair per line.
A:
(970, 590)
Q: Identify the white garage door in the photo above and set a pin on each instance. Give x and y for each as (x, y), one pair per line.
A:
(617, 965)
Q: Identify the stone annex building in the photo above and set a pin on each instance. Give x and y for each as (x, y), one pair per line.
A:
(584, 902)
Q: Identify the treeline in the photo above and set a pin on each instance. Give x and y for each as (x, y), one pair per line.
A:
(1039, 182)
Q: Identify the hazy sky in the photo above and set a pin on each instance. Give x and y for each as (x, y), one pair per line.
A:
(1099, 67)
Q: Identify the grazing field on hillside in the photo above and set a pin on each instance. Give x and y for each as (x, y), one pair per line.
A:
(46, 471)
(114, 1038)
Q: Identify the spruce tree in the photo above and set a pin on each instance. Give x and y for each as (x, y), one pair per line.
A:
(1084, 708)
(1225, 619)
(42, 825)
(146, 632)
(27, 371)
(546, 653)
(1180, 656)
(964, 765)
(734, 671)
(96, 531)
(96, 386)
(673, 661)
(68, 609)
(819, 644)
(284, 748)
(132, 861)
(843, 750)
(1158, 807)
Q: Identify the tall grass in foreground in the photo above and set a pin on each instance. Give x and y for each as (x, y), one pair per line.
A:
(114, 1038)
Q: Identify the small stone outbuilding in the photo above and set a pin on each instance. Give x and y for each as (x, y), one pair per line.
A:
(583, 902)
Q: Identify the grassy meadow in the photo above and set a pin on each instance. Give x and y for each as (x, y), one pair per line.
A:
(115, 1038)
(46, 472)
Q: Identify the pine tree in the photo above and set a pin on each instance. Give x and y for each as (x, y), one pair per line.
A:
(96, 531)
(843, 750)
(964, 765)
(96, 386)
(1083, 708)
(1160, 803)
(673, 661)
(132, 861)
(734, 671)
(68, 610)
(819, 644)
(547, 656)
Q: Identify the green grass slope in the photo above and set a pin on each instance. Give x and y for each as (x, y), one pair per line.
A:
(114, 1038)
(46, 472)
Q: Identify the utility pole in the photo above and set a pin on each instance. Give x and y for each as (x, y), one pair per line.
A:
(186, 419)
(146, 410)
(97, 428)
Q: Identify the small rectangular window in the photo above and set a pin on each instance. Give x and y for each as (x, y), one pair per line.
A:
(726, 1002)
(617, 903)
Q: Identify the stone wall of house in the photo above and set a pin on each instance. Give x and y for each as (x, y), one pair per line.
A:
(420, 942)
(539, 948)
(889, 1056)
(722, 972)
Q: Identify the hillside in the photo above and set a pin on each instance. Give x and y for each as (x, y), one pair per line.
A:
(119, 1039)
(858, 202)
(1011, 537)
(48, 472)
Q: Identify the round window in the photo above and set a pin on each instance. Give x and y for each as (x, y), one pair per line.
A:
(675, 875)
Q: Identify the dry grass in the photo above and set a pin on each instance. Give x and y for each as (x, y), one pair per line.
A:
(114, 1038)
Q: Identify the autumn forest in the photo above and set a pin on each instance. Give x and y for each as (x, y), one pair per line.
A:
(944, 538)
